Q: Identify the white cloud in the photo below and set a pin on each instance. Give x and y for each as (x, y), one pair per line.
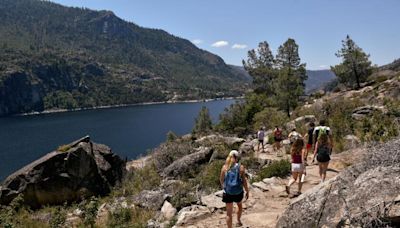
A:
(239, 46)
(323, 66)
(220, 43)
(197, 41)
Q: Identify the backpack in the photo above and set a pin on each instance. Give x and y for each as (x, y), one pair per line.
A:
(322, 131)
(323, 154)
(233, 184)
(260, 135)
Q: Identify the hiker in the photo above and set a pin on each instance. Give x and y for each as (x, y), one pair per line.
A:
(323, 128)
(293, 136)
(322, 151)
(260, 136)
(277, 138)
(233, 180)
(310, 141)
(297, 152)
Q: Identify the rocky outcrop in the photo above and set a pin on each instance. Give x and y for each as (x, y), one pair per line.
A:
(302, 120)
(212, 139)
(351, 142)
(364, 111)
(150, 199)
(82, 169)
(168, 211)
(189, 214)
(188, 162)
(364, 195)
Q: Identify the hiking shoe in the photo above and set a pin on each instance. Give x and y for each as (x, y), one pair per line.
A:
(239, 224)
(297, 194)
(287, 188)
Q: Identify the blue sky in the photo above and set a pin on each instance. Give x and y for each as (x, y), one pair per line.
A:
(229, 28)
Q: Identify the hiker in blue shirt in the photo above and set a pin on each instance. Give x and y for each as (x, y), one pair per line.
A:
(233, 180)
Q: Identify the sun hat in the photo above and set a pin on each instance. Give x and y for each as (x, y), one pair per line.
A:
(234, 153)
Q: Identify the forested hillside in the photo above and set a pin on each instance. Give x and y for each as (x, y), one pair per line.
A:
(53, 56)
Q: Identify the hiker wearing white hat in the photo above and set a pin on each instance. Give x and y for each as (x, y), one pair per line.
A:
(233, 180)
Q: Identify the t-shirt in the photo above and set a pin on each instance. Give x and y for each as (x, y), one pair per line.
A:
(296, 159)
(317, 129)
(278, 134)
(260, 135)
(310, 135)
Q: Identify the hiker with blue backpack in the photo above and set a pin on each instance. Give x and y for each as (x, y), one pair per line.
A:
(233, 180)
(323, 148)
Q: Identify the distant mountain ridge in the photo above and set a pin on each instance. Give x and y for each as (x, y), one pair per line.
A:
(62, 57)
(317, 79)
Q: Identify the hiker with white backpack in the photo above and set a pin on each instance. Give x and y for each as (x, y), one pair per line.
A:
(233, 181)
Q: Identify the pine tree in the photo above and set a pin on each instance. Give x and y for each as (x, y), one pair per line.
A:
(203, 123)
(260, 65)
(355, 66)
(292, 74)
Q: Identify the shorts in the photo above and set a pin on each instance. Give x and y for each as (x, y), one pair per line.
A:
(323, 158)
(309, 146)
(261, 140)
(277, 139)
(226, 198)
(297, 167)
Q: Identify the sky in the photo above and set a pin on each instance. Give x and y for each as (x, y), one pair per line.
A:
(229, 28)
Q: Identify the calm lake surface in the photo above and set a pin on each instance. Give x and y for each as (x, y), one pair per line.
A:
(129, 131)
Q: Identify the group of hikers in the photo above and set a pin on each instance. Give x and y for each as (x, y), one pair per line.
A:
(233, 178)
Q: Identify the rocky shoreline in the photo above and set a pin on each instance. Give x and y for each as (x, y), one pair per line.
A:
(51, 111)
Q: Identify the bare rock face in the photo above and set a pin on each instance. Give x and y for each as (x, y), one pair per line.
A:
(188, 162)
(83, 170)
(362, 196)
(189, 214)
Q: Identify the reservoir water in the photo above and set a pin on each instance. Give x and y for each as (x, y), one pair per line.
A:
(129, 131)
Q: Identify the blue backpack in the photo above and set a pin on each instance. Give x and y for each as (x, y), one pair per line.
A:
(233, 184)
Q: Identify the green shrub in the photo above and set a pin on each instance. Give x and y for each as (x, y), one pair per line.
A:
(58, 218)
(184, 194)
(379, 128)
(269, 118)
(203, 123)
(16, 215)
(121, 217)
(63, 148)
(129, 218)
(279, 168)
(138, 180)
(208, 178)
(171, 136)
(89, 211)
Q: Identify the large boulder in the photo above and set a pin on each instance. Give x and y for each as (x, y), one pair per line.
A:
(364, 195)
(364, 111)
(189, 162)
(81, 169)
(150, 199)
(302, 120)
(191, 213)
(214, 139)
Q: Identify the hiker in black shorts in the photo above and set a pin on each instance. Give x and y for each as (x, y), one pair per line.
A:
(233, 180)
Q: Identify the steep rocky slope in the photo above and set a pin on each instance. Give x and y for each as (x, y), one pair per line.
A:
(53, 56)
